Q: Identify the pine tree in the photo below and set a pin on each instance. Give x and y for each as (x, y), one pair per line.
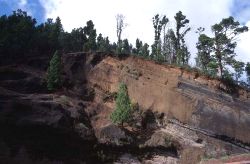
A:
(239, 69)
(145, 51)
(122, 112)
(182, 54)
(205, 49)
(247, 69)
(54, 70)
(90, 33)
(225, 35)
(138, 45)
(125, 47)
(169, 46)
(158, 24)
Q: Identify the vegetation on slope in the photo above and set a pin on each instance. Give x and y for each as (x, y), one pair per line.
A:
(21, 37)
(122, 112)
(54, 73)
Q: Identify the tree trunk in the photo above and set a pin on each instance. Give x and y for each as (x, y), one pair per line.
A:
(219, 57)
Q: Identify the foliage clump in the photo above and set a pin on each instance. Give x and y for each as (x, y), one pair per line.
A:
(247, 69)
(54, 73)
(219, 51)
(122, 112)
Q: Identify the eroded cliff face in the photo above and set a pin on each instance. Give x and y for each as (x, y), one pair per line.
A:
(196, 101)
(181, 118)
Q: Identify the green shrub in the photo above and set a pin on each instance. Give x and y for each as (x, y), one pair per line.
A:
(122, 112)
(54, 73)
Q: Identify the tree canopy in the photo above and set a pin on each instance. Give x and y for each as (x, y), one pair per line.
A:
(225, 34)
(21, 37)
(158, 24)
(17, 34)
(182, 53)
(220, 49)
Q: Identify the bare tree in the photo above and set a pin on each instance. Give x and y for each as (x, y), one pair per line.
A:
(120, 25)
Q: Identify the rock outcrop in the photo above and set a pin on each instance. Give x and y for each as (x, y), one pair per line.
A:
(27, 103)
(178, 94)
(201, 103)
(181, 117)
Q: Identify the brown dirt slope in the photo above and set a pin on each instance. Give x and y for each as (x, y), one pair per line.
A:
(196, 101)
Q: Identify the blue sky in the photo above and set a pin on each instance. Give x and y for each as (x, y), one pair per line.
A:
(240, 9)
(138, 16)
(33, 7)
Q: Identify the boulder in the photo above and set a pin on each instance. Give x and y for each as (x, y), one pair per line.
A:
(114, 135)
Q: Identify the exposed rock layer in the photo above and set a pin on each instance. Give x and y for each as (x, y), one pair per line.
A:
(194, 113)
(179, 94)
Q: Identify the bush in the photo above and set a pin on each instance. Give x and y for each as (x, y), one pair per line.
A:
(122, 112)
(54, 73)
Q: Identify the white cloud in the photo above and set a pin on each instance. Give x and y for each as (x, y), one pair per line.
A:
(243, 49)
(22, 3)
(138, 15)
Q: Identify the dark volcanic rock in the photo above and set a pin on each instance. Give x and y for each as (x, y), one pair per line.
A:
(44, 128)
(112, 134)
(23, 79)
(45, 110)
(74, 68)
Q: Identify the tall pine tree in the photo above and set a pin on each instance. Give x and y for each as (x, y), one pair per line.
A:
(182, 54)
(54, 73)
(225, 34)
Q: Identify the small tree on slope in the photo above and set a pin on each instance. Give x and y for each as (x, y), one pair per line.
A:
(122, 112)
(54, 71)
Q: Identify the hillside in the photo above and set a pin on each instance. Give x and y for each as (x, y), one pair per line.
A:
(181, 117)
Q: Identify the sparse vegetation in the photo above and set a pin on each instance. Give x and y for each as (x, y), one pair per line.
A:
(109, 96)
(168, 141)
(135, 73)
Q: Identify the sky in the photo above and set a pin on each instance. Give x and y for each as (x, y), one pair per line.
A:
(138, 16)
